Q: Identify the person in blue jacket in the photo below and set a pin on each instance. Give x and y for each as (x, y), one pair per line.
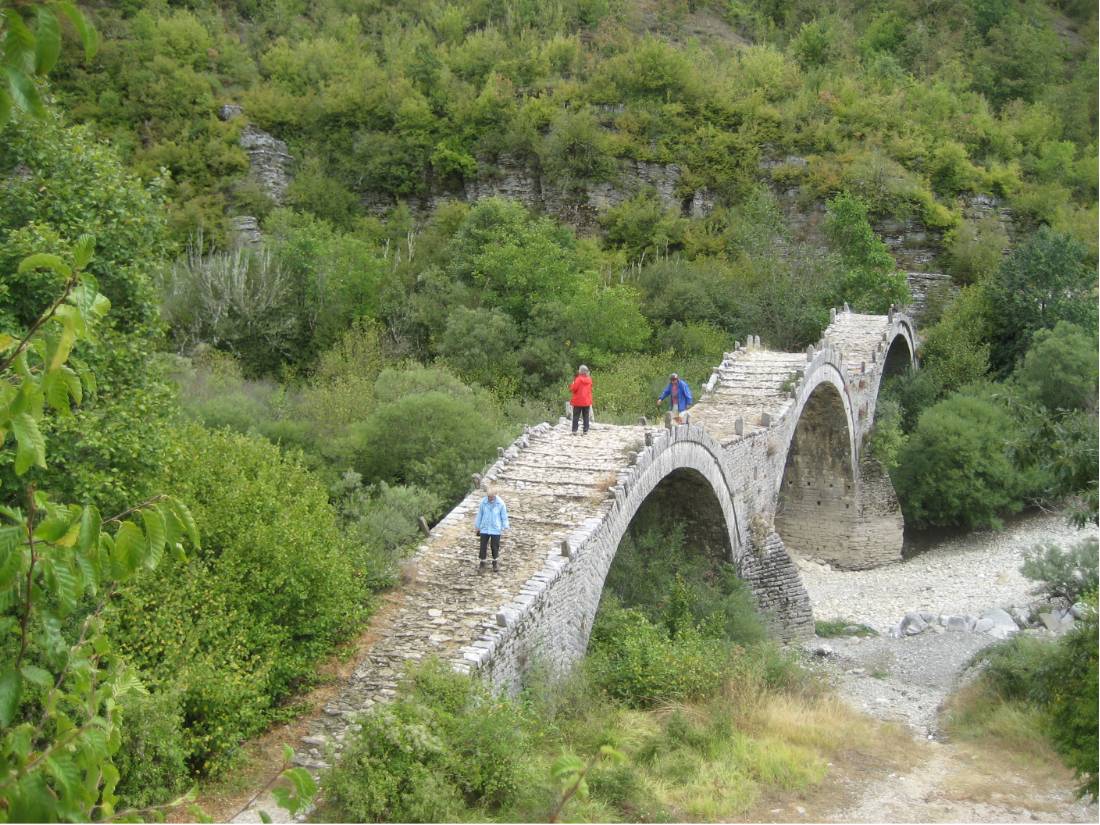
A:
(678, 394)
(492, 520)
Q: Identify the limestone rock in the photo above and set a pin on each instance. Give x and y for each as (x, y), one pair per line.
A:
(957, 624)
(270, 161)
(912, 624)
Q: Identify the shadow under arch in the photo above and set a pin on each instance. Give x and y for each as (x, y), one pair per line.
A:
(899, 357)
(685, 498)
(817, 503)
(687, 470)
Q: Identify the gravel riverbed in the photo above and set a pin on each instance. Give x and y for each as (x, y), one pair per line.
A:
(960, 575)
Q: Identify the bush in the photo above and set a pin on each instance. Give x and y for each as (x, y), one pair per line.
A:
(870, 281)
(430, 439)
(1059, 370)
(1073, 684)
(1059, 679)
(1046, 280)
(640, 664)
(384, 519)
(1068, 574)
(152, 758)
(239, 626)
(445, 744)
(956, 468)
(653, 563)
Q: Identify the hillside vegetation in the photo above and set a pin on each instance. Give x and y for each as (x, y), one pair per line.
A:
(685, 174)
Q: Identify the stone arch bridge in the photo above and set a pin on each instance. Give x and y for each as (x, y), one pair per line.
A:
(770, 459)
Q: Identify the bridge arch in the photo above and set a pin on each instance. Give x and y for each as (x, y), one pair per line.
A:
(552, 622)
(817, 499)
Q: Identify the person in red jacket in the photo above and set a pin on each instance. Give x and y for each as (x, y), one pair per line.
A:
(582, 398)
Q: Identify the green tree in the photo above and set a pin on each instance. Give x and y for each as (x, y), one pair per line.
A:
(1059, 370)
(1048, 279)
(62, 685)
(870, 280)
(956, 467)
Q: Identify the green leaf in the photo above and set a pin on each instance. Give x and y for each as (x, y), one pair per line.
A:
(155, 534)
(10, 538)
(67, 587)
(57, 392)
(187, 520)
(11, 689)
(129, 550)
(565, 766)
(90, 526)
(24, 93)
(303, 783)
(5, 106)
(30, 445)
(88, 35)
(47, 45)
(62, 769)
(44, 260)
(19, 37)
(265, 816)
(37, 675)
(83, 250)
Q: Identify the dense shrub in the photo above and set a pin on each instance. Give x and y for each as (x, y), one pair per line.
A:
(61, 183)
(639, 663)
(431, 439)
(1068, 574)
(238, 627)
(1046, 280)
(654, 562)
(869, 281)
(956, 468)
(1059, 370)
(1059, 678)
(443, 745)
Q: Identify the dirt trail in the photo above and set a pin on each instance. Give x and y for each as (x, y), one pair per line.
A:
(954, 782)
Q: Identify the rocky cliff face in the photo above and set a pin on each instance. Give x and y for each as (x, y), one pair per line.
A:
(269, 161)
(270, 166)
(507, 176)
(916, 247)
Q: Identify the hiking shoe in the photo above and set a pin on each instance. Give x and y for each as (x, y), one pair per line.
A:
(481, 567)
(496, 568)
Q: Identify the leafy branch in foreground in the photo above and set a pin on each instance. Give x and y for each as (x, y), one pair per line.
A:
(61, 686)
(570, 773)
(294, 789)
(30, 44)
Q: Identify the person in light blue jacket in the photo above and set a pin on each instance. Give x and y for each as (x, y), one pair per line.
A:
(678, 394)
(492, 520)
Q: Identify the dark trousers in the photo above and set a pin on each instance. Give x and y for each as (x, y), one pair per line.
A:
(486, 540)
(578, 412)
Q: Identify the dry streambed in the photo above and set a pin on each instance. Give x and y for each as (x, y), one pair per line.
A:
(906, 679)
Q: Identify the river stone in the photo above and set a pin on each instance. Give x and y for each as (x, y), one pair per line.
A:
(1079, 610)
(1050, 622)
(1022, 615)
(957, 624)
(911, 625)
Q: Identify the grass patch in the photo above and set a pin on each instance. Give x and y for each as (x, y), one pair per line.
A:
(831, 628)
